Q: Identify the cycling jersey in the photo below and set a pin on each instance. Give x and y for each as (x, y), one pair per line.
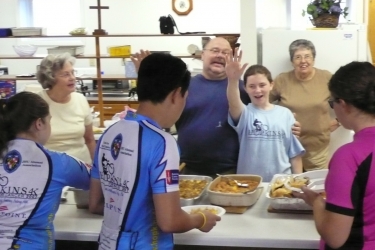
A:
(31, 181)
(135, 159)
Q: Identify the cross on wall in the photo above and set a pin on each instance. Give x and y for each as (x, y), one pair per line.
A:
(99, 31)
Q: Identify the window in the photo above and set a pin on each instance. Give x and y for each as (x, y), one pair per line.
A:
(58, 17)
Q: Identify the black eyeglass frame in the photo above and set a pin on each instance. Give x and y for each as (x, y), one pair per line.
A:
(332, 100)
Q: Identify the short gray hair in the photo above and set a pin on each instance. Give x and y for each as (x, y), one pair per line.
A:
(301, 44)
(49, 66)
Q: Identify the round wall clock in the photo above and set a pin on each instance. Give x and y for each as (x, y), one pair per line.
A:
(182, 7)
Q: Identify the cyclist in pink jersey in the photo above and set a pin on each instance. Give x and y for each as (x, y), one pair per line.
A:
(346, 219)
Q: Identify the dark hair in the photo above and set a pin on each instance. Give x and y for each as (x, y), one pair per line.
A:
(159, 74)
(301, 44)
(355, 84)
(257, 69)
(17, 115)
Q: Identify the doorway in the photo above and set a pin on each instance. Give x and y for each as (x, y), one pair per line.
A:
(371, 28)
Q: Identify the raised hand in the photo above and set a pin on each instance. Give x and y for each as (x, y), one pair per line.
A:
(138, 57)
(233, 67)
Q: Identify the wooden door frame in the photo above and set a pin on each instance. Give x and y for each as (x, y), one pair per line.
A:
(371, 27)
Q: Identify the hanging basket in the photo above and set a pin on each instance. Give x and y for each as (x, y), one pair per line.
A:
(326, 20)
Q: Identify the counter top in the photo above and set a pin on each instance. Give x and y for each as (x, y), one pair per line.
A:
(255, 228)
(112, 98)
(97, 136)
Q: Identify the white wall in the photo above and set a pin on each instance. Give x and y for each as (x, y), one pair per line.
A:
(141, 16)
(133, 16)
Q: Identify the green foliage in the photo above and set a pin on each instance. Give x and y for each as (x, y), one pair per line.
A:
(318, 7)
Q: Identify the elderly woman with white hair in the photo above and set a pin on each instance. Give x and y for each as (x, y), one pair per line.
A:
(71, 123)
(304, 90)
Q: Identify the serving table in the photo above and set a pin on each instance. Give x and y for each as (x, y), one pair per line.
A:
(256, 228)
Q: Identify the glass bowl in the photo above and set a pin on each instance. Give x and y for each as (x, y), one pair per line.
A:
(25, 50)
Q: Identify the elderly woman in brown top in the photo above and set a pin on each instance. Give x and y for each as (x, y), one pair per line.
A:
(304, 90)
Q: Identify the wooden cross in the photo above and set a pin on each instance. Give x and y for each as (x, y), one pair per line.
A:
(99, 31)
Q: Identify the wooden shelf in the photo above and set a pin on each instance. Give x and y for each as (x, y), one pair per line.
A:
(97, 56)
(126, 35)
(41, 56)
(93, 77)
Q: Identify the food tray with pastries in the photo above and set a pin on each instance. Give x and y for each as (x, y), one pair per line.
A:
(193, 188)
(282, 198)
(224, 191)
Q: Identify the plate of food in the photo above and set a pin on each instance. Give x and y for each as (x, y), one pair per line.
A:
(226, 191)
(97, 130)
(192, 189)
(219, 211)
(282, 197)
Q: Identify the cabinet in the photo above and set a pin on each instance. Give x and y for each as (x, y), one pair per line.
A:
(110, 108)
(106, 108)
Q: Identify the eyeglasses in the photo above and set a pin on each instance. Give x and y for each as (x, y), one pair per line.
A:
(299, 58)
(217, 51)
(331, 101)
(68, 74)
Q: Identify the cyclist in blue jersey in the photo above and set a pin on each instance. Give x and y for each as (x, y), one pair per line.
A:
(135, 174)
(31, 177)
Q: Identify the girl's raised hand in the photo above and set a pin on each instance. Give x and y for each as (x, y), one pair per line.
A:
(233, 67)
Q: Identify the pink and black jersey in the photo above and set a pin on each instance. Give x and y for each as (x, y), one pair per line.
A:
(350, 187)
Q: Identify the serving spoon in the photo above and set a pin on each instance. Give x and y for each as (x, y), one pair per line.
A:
(237, 182)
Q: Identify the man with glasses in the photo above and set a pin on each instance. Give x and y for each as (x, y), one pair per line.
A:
(208, 143)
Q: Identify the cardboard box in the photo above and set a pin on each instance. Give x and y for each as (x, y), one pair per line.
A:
(7, 89)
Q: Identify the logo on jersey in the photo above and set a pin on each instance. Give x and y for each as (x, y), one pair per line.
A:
(3, 180)
(13, 160)
(110, 179)
(116, 146)
(172, 176)
(113, 208)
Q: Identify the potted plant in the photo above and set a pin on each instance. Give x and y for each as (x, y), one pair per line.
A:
(325, 13)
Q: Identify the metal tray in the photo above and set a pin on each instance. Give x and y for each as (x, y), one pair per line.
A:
(195, 200)
(72, 50)
(28, 31)
(285, 203)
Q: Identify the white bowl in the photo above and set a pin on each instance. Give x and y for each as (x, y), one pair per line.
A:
(108, 123)
(81, 197)
(25, 50)
(219, 210)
